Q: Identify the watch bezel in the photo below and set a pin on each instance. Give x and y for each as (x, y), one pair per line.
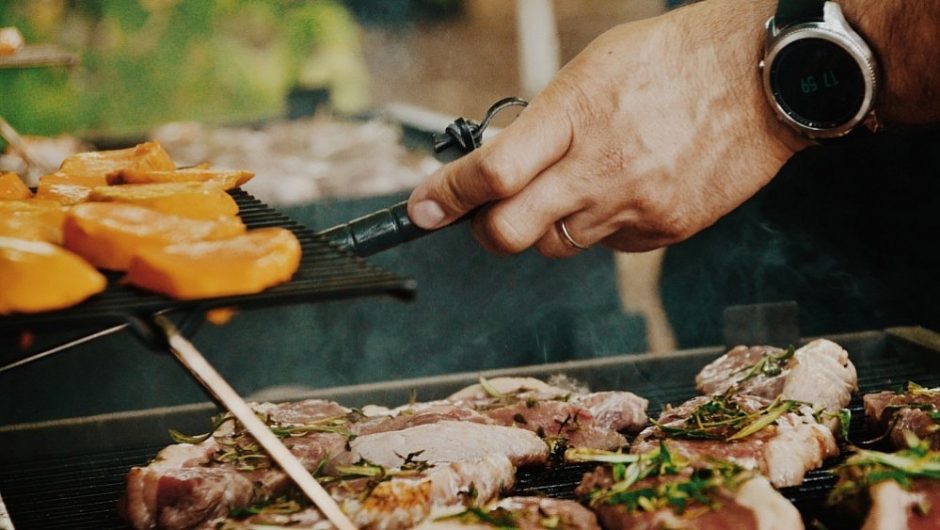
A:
(833, 28)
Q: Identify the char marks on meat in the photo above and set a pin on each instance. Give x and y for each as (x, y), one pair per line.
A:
(913, 410)
(819, 373)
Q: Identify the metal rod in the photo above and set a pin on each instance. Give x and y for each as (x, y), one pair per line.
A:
(61, 347)
(202, 371)
(5, 522)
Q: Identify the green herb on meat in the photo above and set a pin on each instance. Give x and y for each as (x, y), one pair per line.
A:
(723, 418)
(217, 422)
(496, 517)
(770, 365)
(679, 485)
(866, 468)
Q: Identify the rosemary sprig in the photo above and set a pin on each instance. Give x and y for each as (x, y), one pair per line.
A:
(721, 418)
(580, 454)
(866, 468)
(497, 517)
(769, 364)
(918, 390)
(276, 506)
(217, 422)
(677, 493)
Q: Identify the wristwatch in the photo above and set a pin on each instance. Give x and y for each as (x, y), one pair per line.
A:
(819, 75)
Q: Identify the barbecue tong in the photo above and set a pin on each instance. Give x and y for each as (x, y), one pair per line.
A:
(365, 236)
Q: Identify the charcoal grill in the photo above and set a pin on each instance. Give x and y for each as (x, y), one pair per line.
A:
(69, 473)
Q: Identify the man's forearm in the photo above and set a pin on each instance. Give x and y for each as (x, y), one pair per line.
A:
(905, 36)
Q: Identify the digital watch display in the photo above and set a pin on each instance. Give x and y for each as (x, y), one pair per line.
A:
(819, 75)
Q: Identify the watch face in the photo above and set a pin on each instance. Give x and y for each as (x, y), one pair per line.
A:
(817, 83)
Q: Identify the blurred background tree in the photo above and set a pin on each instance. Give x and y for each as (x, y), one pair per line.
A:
(146, 62)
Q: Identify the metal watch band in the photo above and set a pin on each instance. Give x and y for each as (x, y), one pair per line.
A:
(791, 12)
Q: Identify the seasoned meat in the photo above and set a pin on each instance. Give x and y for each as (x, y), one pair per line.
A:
(783, 450)
(819, 373)
(524, 513)
(665, 493)
(593, 420)
(391, 504)
(739, 366)
(618, 411)
(559, 420)
(418, 414)
(913, 410)
(179, 490)
(449, 441)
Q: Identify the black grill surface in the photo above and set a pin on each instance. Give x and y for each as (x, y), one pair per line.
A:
(325, 273)
(84, 491)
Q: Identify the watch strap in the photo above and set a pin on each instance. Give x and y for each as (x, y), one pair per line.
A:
(790, 12)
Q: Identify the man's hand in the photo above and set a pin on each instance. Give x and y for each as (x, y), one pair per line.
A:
(652, 133)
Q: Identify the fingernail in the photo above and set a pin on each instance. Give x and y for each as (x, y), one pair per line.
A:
(427, 214)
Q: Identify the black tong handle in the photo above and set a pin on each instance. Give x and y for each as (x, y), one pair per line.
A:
(388, 228)
(375, 232)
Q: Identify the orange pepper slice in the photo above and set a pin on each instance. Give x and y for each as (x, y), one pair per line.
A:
(226, 179)
(245, 264)
(197, 200)
(146, 156)
(32, 219)
(109, 234)
(12, 188)
(38, 276)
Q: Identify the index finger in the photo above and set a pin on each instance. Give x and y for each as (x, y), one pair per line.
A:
(538, 138)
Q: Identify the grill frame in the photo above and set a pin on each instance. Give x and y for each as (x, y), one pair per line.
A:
(41, 462)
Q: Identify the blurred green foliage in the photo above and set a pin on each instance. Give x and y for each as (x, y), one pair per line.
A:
(146, 62)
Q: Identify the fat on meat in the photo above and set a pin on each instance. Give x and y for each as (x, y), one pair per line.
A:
(448, 441)
(894, 508)
(819, 373)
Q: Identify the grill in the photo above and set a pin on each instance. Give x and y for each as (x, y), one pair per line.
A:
(70, 473)
(325, 273)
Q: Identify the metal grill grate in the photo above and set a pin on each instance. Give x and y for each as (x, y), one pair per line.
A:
(325, 273)
(83, 491)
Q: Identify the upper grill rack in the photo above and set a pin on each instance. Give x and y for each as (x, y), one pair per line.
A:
(325, 273)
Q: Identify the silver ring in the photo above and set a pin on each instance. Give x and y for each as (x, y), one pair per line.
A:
(567, 236)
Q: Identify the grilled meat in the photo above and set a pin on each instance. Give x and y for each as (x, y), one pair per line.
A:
(780, 439)
(819, 373)
(592, 420)
(394, 499)
(189, 483)
(913, 410)
(901, 490)
(659, 489)
(428, 455)
(448, 441)
(524, 513)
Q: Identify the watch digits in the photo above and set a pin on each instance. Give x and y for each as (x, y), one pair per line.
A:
(819, 75)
